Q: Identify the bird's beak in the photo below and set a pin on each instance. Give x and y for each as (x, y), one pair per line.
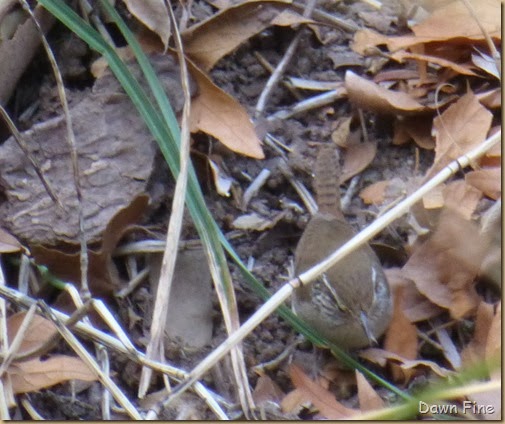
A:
(366, 328)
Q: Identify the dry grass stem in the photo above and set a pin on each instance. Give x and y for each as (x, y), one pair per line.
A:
(73, 152)
(105, 379)
(255, 187)
(155, 347)
(283, 64)
(311, 103)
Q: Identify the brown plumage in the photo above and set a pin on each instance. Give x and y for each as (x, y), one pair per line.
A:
(351, 303)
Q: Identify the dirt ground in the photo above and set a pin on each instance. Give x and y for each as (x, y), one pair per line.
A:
(240, 75)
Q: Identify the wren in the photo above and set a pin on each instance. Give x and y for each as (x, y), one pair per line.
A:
(350, 304)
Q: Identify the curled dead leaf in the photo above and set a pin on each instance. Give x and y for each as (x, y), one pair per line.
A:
(216, 113)
(267, 390)
(320, 397)
(154, 15)
(369, 399)
(444, 267)
(230, 27)
(415, 306)
(401, 337)
(462, 69)
(488, 181)
(461, 127)
(38, 332)
(357, 158)
(33, 375)
(381, 357)
(371, 96)
(416, 128)
(451, 22)
(462, 198)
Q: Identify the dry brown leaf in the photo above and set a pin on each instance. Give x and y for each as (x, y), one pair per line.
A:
(340, 134)
(216, 113)
(154, 15)
(357, 157)
(369, 399)
(370, 96)
(492, 157)
(416, 128)
(395, 75)
(462, 69)
(17, 52)
(491, 98)
(374, 193)
(462, 126)
(486, 63)
(290, 17)
(102, 275)
(415, 306)
(366, 39)
(401, 338)
(453, 21)
(294, 402)
(9, 243)
(462, 198)
(381, 357)
(486, 180)
(434, 199)
(386, 191)
(456, 21)
(444, 267)
(222, 181)
(267, 390)
(39, 331)
(30, 376)
(321, 398)
(210, 40)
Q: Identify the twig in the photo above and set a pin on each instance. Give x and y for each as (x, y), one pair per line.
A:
(34, 415)
(5, 392)
(329, 19)
(121, 345)
(281, 67)
(33, 161)
(254, 187)
(302, 191)
(73, 153)
(310, 103)
(88, 359)
(263, 62)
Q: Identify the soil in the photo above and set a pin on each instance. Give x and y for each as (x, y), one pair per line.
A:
(240, 75)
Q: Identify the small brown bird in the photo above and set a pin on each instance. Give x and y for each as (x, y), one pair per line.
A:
(350, 304)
